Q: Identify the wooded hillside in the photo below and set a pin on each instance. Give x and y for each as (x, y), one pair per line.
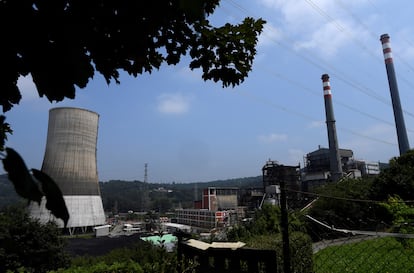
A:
(122, 196)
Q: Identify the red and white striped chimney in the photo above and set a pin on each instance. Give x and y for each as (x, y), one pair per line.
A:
(386, 48)
(395, 97)
(334, 156)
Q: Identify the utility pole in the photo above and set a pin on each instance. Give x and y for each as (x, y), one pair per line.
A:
(146, 173)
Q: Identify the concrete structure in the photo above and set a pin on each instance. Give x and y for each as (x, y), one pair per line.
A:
(203, 219)
(334, 157)
(174, 227)
(395, 97)
(365, 167)
(317, 167)
(101, 231)
(70, 159)
(317, 170)
(218, 208)
(220, 198)
(275, 178)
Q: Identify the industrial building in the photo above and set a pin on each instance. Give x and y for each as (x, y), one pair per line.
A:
(218, 208)
(202, 219)
(220, 198)
(317, 170)
(70, 159)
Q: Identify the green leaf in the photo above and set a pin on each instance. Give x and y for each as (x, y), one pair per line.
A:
(19, 175)
(54, 198)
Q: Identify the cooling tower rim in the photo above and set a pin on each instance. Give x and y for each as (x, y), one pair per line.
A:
(72, 108)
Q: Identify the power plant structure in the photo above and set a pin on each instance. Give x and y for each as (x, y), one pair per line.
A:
(395, 97)
(70, 159)
(335, 159)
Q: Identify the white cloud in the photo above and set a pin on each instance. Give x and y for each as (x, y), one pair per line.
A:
(272, 138)
(323, 26)
(326, 40)
(173, 103)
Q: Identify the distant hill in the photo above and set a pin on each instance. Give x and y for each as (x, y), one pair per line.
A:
(8, 195)
(122, 196)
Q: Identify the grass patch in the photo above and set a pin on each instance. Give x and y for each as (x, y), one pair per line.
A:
(377, 255)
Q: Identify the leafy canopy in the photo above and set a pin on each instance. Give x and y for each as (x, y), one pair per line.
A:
(61, 43)
(397, 179)
(25, 243)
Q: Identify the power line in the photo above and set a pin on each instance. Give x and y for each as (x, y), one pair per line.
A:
(334, 71)
(369, 201)
(307, 117)
(375, 37)
(305, 88)
(288, 110)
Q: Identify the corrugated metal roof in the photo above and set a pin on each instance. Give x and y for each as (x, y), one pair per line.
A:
(204, 246)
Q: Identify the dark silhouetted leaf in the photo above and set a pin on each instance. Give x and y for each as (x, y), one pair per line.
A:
(4, 130)
(54, 198)
(19, 175)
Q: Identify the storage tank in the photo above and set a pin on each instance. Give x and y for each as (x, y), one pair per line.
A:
(70, 159)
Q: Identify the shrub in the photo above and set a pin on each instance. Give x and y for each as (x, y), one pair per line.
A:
(25, 243)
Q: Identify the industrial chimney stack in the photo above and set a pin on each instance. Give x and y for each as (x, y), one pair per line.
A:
(70, 159)
(334, 157)
(395, 97)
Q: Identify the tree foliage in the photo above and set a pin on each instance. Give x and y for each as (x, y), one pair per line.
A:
(266, 221)
(397, 179)
(25, 243)
(34, 187)
(337, 204)
(141, 255)
(354, 203)
(61, 43)
(264, 232)
(402, 216)
(300, 247)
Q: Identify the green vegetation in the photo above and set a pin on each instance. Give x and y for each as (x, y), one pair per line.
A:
(300, 247)
(25, 243)
(119, 267)
(376, 204)
(344, 204)
(122, 196)
(398, 179)
(264, 232)
(342, 210)
(62, 44)
(378, 255)
(140, 257)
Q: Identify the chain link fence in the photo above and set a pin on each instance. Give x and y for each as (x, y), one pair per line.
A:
(351, 235)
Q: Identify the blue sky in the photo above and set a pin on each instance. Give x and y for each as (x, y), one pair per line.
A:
(188, 130)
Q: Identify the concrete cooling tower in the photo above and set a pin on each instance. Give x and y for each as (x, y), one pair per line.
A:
(70, 159)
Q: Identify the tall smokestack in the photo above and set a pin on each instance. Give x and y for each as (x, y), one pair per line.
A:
(403, 144)
(334, 157)
(70, 159)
